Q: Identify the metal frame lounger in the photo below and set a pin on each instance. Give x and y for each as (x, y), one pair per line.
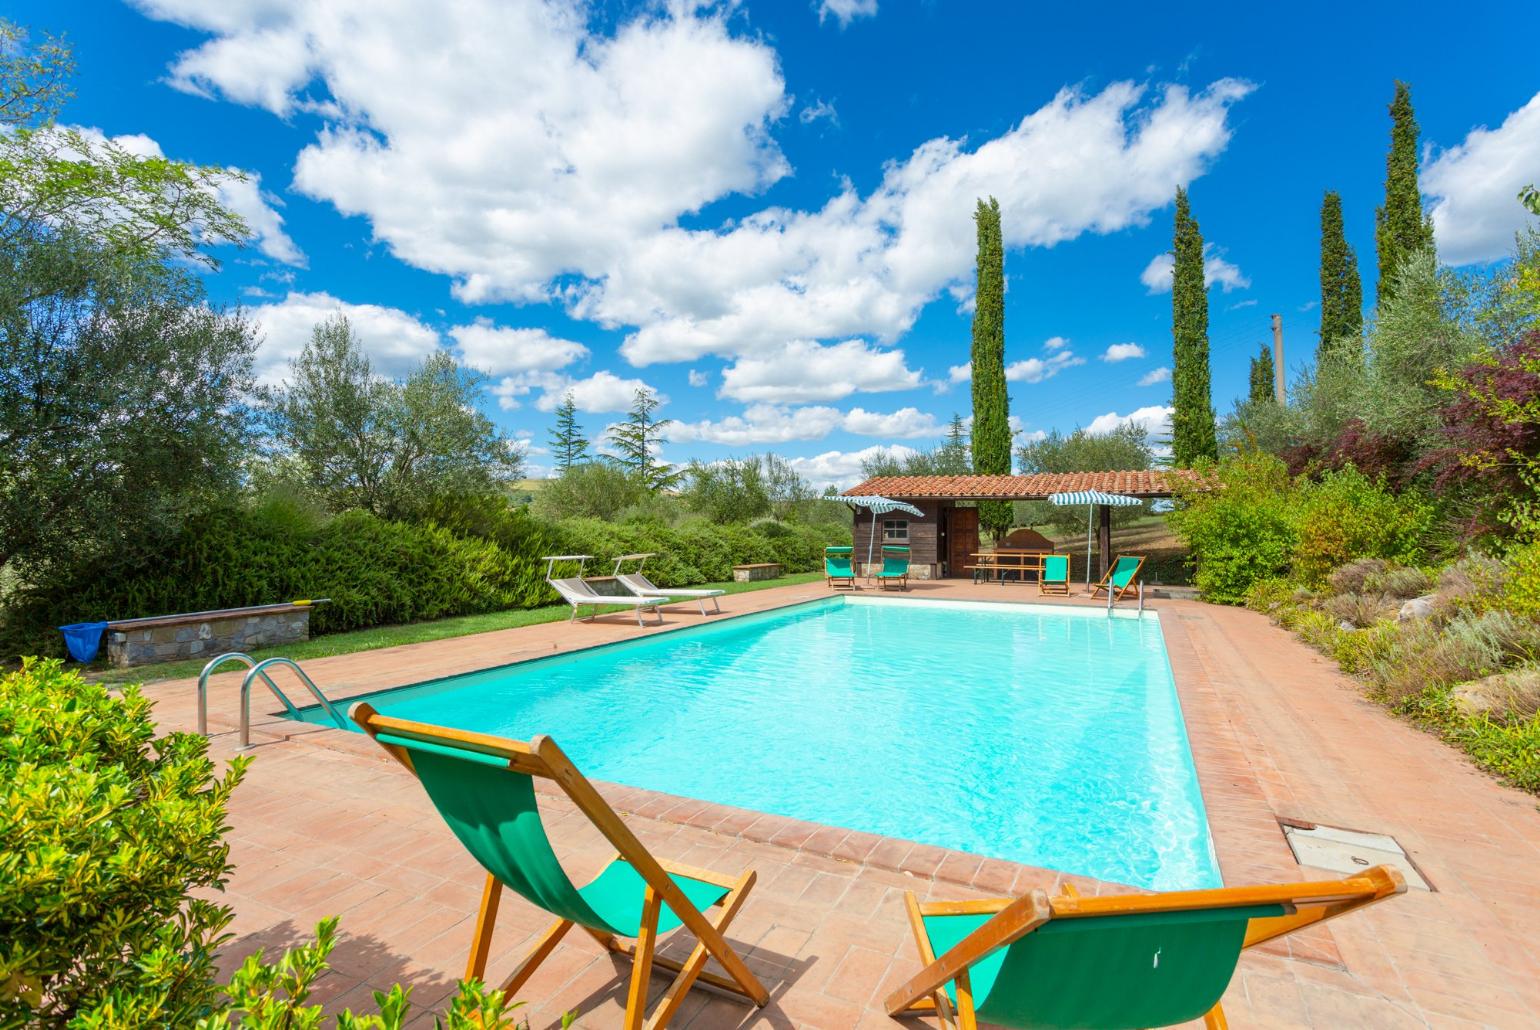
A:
(483, 787)
(641, 586)
(576, 591)
(1109, 961)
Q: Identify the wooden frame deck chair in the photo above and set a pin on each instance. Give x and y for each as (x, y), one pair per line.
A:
(838, 563)
(1121, 576)
(483, 787)
(640, 586)
(1055, 576)
(1111, 961)
(895, 567)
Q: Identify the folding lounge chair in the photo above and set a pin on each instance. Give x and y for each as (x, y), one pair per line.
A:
(1055, 578)
(1110, 961)
(895, 566)
(576, 591)
(1121, 577)
(641, 586)
(837, 565)
(483, 787)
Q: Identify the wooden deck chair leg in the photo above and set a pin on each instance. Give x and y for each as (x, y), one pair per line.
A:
(538, 954)
(1214, 1018)
(690, 970)
(486, 919)
(927, 955)
(641, 961)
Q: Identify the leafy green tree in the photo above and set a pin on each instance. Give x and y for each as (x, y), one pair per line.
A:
(33, 79)
(568, 444)
(952, 458)
(1192, 423)
(638, 439)
(1124, 448)
(122, 403)
(991, 401)
(1261, 391)
(1529, 196)
(359, 441)
(1401, 228)
(594, 489)
(1342, 317)
(742, 489)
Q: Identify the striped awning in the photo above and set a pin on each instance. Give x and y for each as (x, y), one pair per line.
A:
(1094, 497)
(881, 505)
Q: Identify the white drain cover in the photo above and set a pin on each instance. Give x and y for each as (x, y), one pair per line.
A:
(1350, 851)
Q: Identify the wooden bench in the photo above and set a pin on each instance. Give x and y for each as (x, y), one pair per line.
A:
(757, 571)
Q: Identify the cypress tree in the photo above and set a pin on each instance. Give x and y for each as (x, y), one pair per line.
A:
(637, 437)
(568, 444)
(1262, 376)
(1342, 299)
(991, 404)
(1192, 423)
(1401, 229)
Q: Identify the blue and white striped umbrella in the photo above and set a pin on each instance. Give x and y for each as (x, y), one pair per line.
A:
(878, 506)
(1092, 498)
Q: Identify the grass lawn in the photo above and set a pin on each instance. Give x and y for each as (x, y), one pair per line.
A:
(391, 636)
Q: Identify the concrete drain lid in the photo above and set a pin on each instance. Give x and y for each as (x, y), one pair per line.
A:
(1349, 851)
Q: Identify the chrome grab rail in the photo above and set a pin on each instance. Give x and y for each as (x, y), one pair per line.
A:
(203, 686)
(260, 669)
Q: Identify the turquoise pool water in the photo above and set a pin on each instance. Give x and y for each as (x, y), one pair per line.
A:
(1050, 736)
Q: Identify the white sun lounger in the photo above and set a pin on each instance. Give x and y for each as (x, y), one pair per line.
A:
(641, 586)
(576, 592)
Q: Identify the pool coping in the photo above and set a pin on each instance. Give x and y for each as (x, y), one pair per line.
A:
(1226, 783)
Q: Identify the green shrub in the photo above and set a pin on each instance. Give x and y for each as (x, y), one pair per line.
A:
(1521, 591)
(1357, 650)
(1402, 583)
(1346, 515)
(1466, 648)
(1359, 610)
(1241, 531)
(105, 832)
(1510, 750)
(1270, 596)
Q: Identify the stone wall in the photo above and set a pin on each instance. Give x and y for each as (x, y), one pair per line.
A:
(205, 635)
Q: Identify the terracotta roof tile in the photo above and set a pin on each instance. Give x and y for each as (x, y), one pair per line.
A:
(1142, 483)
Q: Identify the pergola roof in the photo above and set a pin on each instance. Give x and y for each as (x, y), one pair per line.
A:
(1148, 483)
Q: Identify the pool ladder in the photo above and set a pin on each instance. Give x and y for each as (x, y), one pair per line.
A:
(258, 670)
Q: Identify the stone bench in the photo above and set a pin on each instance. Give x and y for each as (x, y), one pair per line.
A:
(167, 638)
(757, 571)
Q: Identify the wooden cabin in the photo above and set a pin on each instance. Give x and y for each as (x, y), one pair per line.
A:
(943, 540)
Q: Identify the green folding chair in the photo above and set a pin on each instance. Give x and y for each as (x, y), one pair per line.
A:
(1121, 576)
(895, 567)
(837, 565)
(483, 787)
(1110, 962)
(1055, 577)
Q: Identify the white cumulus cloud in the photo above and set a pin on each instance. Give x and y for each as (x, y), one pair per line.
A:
(1474, 187)
(500, 350)
(806, 371)
(1035, 370)
(395, 341)
(600, 393)
(842, 469)
(1155, 375)
(1122, 352)
(846, 11)
(1156, 420)
(1156, 276)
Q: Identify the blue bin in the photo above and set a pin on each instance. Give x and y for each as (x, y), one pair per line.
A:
(83, 639)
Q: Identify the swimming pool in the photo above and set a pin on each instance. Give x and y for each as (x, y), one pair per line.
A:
(1045, 735)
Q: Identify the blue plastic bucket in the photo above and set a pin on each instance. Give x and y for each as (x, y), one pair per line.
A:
(83, 639)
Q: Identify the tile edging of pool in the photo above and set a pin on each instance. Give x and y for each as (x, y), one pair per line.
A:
(797, 836)
(737, 618)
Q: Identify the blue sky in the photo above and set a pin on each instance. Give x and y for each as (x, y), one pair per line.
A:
(763, 210)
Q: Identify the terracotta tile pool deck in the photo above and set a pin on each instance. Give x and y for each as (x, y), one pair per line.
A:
(325, 825)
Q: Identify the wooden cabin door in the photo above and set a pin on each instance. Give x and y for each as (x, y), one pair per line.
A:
(962, 540)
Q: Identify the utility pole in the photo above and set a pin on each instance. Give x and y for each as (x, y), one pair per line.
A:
(1278, 359)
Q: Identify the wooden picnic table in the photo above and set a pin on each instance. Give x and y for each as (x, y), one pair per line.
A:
(1008, 559)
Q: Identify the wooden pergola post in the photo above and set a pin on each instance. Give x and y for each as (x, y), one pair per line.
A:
(1103, 537)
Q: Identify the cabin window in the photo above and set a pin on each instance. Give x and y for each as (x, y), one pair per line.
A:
(895, 531)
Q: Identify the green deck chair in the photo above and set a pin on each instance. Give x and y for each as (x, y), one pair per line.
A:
(1118, 961)
(895, 567)
(483, 787)
(1121, 577)
(837, 565)
(1055, 578)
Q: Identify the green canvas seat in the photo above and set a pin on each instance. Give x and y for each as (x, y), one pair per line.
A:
(838, 564)
(483, 788)
(1121, 576)
(1041, 963)
(1055, 578)
(895, 566)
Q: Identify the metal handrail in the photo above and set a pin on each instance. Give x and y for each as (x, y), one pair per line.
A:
(203, 686)
(260, 669)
